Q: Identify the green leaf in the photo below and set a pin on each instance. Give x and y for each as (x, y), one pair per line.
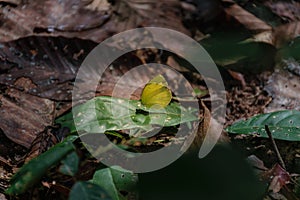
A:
(200, 93)
(284, 125)
(297, 187)
(291, 50)
(234, 51)
(70, 164)
(33, 171)
(88, 191)
(113, 114)
(114, 181)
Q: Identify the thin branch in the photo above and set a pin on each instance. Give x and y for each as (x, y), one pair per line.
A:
(281, 162)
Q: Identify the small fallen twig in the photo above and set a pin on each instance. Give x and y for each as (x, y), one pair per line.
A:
(281, 162)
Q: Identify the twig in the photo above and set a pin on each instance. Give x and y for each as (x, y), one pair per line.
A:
(281, 162)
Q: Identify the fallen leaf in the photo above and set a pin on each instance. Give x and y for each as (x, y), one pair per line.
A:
(2, 197)
(248, 20)
(49, 71)
(287, 10)
(285, 33)
(279, 177)
(284, 87)
(266, 37)
(207, 131)
(12, 2)
(256, 162)
(93, 20)
(23, 116)
(47, 17)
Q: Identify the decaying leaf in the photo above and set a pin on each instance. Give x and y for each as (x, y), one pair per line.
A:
(12, 2)
(285, 33)
(2, 196)
(42, 66)
(44, 140)
(250, 21)
(94, 19)
(48, 17)
(287, 10)
(256, 162)
(278, 178)
(284, 86)
(266, 37)
(23, 116)
(206, 130)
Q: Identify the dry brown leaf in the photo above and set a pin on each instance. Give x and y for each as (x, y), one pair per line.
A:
(266, 37)
(49, 17)
(287, 10)
(211, 129)
(278, 178)
(99, 5)
(284, 87)
(250, 21)
(44, 140)
(23, 116)
(95, 20)
(286, 33)
(256, 162)
(13, 2)
(175, 65)
(2, 197)
(42, 66)
(206, 130)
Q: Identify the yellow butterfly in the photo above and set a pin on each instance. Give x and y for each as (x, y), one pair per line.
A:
(156, 93)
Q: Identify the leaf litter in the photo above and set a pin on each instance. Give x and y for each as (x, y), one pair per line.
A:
(30, 44)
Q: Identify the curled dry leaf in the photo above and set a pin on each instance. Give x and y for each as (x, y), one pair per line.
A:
(208, 130)
(23, 116)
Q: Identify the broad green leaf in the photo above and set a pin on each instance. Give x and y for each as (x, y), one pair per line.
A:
(88, 191)
(114, 181)
(33, 171)
(284, 125)
(235, 51)
(104, 113)
(70, 164)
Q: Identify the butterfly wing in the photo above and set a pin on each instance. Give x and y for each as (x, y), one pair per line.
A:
(156, 94)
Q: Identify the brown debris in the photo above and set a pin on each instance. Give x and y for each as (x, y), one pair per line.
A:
(287, 10)
(245, 103)
(24, 116)
(284, 87)
(93, 20)
(46, 72)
